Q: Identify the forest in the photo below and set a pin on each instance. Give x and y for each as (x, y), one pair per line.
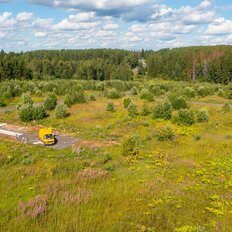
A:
(209, 63)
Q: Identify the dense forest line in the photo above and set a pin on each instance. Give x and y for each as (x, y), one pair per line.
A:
(210, 63)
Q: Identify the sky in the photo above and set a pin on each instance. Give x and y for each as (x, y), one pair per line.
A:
(126, 24)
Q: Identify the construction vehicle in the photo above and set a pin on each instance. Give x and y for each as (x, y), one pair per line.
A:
(46, 136)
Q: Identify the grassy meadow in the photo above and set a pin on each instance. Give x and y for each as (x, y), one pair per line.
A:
(128, 172)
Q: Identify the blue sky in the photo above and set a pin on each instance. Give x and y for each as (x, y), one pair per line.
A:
(127, 24)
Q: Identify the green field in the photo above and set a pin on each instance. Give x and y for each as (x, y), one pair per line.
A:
(128, 173)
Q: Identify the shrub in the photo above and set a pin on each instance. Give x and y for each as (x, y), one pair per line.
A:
(134, 90)
(92, 98)
(113, 94)
(202, 91)
(145, 110)
(100, 86)
(26, 98)
(189, 92)
(132, 110)
(186, 117)
(75, 97)
(110, 107)
(226, 108)
(126, 102)
(163, 111)
(26, 112)
(202, 116)
(2, 104)
(39, 113)
(146, 94)
(130, 145)
(50, 102)
(221, 93)
(38, 93)
(155, 89)
(178, 102)
(165, 133)
(61, 111)
(229, 94)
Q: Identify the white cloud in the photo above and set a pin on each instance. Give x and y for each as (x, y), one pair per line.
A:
(24, 16)
(40, 34)
(111, 26)
(6, 21)
(220, 26)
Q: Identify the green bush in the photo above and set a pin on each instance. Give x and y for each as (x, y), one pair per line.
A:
(134, 90)
(26, 112)
(146, 95)
(145, 110)
(189, 92)
(110, 107)
(165, 133)
(39, 113)
(2, 104)
(202, 116)
(186, 117)
(163, 111)
(61, 111)
(221, 93)
(50, 102)
(226, 108)
(132, 110)
(202, 91)
(26, 98)
(130, 145)
(229, 94)
(178, 102)
(92, 98)
(75, 97)
(126, 102)
(113, 94)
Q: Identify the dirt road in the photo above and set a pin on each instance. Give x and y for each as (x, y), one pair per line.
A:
(30, 136)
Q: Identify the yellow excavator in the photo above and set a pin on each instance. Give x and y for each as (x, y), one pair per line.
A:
(46, 136)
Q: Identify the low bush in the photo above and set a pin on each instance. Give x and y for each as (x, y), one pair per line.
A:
(2, 104)
(113, 94)
(146, 95)
(75, 97)
(126, 102)
(221, 93)
(50, 102)
(145, 110)
(202, 91)
(226, 108)
(202, 116)
(130, 145)
(186, 117)
(61, 111)
(189, 92)
(165, 134)
(26, 112)
(163, 111)
(39, 113)
(132, 110)
(178, 102)
(110, 107)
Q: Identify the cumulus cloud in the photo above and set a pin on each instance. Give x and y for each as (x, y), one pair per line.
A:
(220, 26)
(24, 16)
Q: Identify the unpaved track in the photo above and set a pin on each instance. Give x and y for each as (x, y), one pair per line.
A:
(30, 136)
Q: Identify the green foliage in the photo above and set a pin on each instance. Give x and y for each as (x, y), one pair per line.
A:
(74, 97)
(130, 145)
(39, 113)
(132, 110)
(186, 117)
(26, 98)
(163, 111)
(226, 108)
(26, 112)
(113, 94)
(2, 104)
(126, 102)
(189, 92)
(146, 94)
(178, 102)
(165, 134)
(50, 102)
(202, 116)
(221, 93)
(110, 107)
(202, 91)
(145, 110)
(61, 111)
